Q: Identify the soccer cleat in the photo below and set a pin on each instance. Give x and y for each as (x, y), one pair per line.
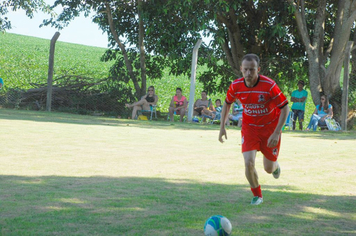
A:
(256, 200)
(277, 172)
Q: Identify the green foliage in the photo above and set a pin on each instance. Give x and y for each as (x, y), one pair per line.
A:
(28, 6)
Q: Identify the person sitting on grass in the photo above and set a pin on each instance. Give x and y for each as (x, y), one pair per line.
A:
(178, 105)
(236, 115)
(322, 111)
(203, 105)
(145, 103)
(217, 109)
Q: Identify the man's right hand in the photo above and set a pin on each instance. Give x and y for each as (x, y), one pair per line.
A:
(221, 134)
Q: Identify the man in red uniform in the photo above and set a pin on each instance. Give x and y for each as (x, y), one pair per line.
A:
(265, 113)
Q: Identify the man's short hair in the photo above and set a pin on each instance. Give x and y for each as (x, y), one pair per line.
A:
(204, 92)
(301, 82)
(251, 57)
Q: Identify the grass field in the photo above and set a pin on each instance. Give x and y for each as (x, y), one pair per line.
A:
(64, 174)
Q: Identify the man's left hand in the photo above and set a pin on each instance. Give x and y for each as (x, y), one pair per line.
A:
(273, 140)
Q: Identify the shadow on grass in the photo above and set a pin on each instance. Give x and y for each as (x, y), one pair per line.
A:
(59, 117)
(340, 135)
(57, 205)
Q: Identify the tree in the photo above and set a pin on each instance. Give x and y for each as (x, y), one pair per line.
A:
(325, 28)
(130, 26)
(238, 27)
(28, 6)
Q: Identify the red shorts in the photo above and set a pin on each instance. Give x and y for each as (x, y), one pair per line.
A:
(253, 138)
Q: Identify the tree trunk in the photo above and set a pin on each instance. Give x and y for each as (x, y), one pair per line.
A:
(141, 33)
(326, 79)
(123, 51)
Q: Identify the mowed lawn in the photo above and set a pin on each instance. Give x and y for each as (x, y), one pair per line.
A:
(63, 174)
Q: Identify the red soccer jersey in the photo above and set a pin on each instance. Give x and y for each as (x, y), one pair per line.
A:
(261, 103)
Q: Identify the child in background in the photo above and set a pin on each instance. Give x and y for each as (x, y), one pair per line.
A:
(218, 109)
(237, 111)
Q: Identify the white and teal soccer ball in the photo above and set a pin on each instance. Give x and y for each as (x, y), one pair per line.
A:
(217, 225)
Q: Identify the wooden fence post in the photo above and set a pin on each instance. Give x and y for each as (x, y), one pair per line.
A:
(50, 71)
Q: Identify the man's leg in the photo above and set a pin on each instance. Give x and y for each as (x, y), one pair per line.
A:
(271, 167)
(294, 118)
(301, 119)
(252, 177)
(301, 125)
(250, 170)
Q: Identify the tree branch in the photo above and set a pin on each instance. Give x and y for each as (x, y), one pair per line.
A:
(300, 19)
(122, 48)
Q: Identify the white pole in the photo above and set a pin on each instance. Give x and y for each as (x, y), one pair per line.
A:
(192, 80)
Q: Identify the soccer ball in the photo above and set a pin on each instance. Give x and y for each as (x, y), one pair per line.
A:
(217, 225)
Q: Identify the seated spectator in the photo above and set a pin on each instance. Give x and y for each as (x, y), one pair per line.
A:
(217, 109)
(202, 104)
(237, 111)
(322, 111)
(145, 103)
(178, 105)
(210, 111)
(214, 112)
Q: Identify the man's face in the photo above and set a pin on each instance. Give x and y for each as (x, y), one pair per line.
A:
(250, 71)
(203, 95)
(300, 86)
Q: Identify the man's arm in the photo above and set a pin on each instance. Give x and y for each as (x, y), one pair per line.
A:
(302, 99)
(282, 118)
(294, 99)
(274, 138)
(224, 116)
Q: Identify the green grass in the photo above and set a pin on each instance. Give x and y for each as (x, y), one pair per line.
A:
(64, 174)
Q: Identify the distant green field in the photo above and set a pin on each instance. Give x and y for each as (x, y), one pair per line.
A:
(24, 60)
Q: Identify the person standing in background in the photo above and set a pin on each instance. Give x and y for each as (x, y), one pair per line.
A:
(299, 98)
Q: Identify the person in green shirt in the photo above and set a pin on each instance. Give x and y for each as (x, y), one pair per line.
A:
(299, 98)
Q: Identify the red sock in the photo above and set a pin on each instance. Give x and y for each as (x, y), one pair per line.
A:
(257, 191)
